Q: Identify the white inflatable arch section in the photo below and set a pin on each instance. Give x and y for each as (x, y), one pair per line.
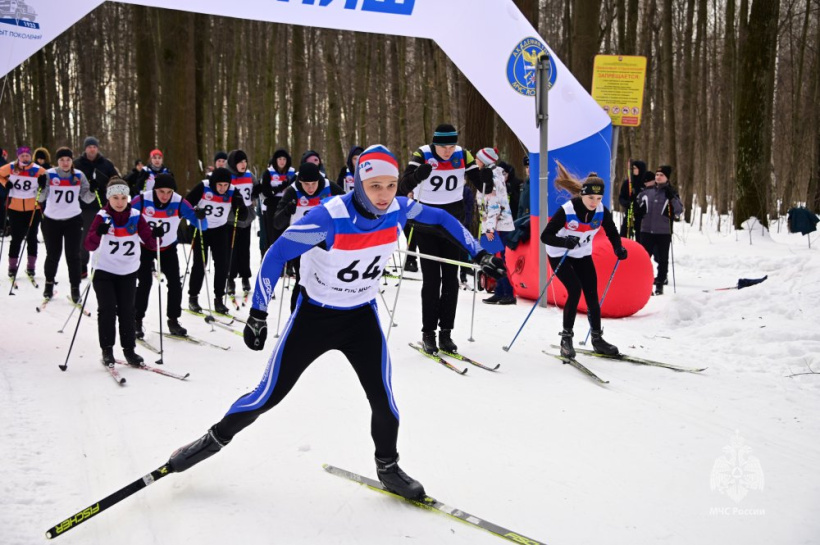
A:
(491, 42)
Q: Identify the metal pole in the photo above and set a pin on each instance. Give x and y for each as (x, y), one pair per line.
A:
(542, 85)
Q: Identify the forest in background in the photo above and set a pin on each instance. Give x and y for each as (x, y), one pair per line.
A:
(731, 101)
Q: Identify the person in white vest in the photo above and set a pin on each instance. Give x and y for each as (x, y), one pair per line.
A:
(217, 198)
(496, 218)
(62, 190)
(240, 244)
(276, 178)
(305, 194)
(155, 167)
(345, 243)
(436, 174)
(163, 208)
(115, 236)
(571, 231)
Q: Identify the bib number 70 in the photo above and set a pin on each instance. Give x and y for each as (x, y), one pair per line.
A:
(350, 274)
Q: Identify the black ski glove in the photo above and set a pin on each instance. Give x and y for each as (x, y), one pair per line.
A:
(157, 232)
(491, 265)
(200, 213)
(571, 241)
(102, 229)
(256, 330)
(621, 253)
(291, 207)
(42, 179)
(422, 173)
(242, 213)
(257, 189)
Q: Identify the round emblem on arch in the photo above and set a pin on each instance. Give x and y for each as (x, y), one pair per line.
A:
(522, 63)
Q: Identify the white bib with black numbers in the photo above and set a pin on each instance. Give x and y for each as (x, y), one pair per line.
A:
(244, 184)
(347, 275)
(446, 182)
(22, 184)
(63, 201)
(216, 206)
(119, 251)
(167, 218)
(575, 227)
(305, 203)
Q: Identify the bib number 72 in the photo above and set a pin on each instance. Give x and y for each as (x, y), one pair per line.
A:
(350, 274)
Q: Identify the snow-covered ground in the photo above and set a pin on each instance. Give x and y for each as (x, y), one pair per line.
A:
(536, 447)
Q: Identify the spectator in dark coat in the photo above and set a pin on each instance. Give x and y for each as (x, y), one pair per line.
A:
(628, 198)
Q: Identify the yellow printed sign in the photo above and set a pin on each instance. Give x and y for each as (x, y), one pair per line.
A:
(618, 85)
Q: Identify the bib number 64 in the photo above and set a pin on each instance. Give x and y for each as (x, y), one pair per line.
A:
(350, 274)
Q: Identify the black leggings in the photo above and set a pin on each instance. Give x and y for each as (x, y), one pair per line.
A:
(115, 300)
(169, 262)
(19, 222)
(577, 274)
(439, 287)
(241, 256)
(59, 232)
(310, 332)
(218, 241)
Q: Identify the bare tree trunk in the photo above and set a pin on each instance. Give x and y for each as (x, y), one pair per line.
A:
(755, 94)
(584, 42)
(667, 61)
(298, 119)
(146, 79)
(178, 101)
(478, 131)
(335, 155)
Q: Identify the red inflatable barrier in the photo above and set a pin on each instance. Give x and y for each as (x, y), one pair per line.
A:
(630, 290)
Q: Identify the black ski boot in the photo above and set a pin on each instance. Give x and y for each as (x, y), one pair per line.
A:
(601, 346)
(108, 356)
(411, 265)
(48, 292)
(75, 294)
(567, 349)
(658, 289)
(193, 305)
(246, 285)
(494, 299)
(428, 343)
(193, 453)
(445, 342)
(138, 329)
(175, 329)
(220, 307)
(132, 358)
(397, 481)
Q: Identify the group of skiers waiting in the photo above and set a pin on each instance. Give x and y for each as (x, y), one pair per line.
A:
(651, 206)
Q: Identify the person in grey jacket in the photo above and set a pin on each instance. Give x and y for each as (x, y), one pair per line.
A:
(659, 205)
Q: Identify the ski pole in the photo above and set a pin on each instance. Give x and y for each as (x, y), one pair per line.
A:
(601, 303)
(188, 260)
(230, 257)
(672, 248)
(281, 301)
(544, 291)
(392, 323)
(25, 239)
(64, 367)
(159, 300)
(74, 307)
(472, 315)
(210, 317)
(5, 223)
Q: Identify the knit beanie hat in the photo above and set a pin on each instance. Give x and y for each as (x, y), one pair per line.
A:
(64, 152)
(117, 186)
(220, 175)
(220, 155)
(165, 181)
(666, 169)
(375, 161)
(91, 141)
(488, 156)
(309, 172)
(445, 135)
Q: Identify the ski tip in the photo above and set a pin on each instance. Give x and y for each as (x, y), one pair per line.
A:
(63, 367)
(37, 309)
(186, 376)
